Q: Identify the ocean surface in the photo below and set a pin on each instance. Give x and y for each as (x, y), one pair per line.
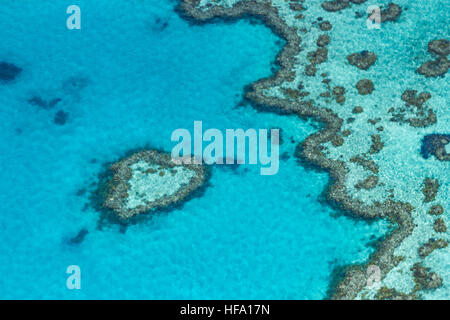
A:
(135, 72)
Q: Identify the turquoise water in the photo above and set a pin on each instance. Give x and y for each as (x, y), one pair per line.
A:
(126, 79)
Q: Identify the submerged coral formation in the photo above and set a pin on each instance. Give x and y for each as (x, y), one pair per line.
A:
(439, 66)
(434, 144)
(419, 115)
(391, 13)
(8, 71)
(362, 60)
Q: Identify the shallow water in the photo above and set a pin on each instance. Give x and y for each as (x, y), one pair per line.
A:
(127, 79)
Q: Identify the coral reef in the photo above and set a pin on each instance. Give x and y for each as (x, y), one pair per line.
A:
(148, 180)
(432, 244)
(323, 40)
(434, 68)
(439, 225)
(377, 144)
(326, 149)
(391, 13)
(367, 164)
(365, 86)
(424, 279)
(415, 113)
(362, 60)
(430, 189)
(439, 66)
(335, 5)
(436, 210)
(434, 144)
(385, 293)
(440, 47)
(369, 183)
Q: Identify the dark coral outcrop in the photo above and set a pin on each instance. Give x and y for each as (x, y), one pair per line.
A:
(434, 145)
(8, 72)
(362, 60)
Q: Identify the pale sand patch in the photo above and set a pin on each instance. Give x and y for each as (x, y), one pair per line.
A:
(148, 186)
